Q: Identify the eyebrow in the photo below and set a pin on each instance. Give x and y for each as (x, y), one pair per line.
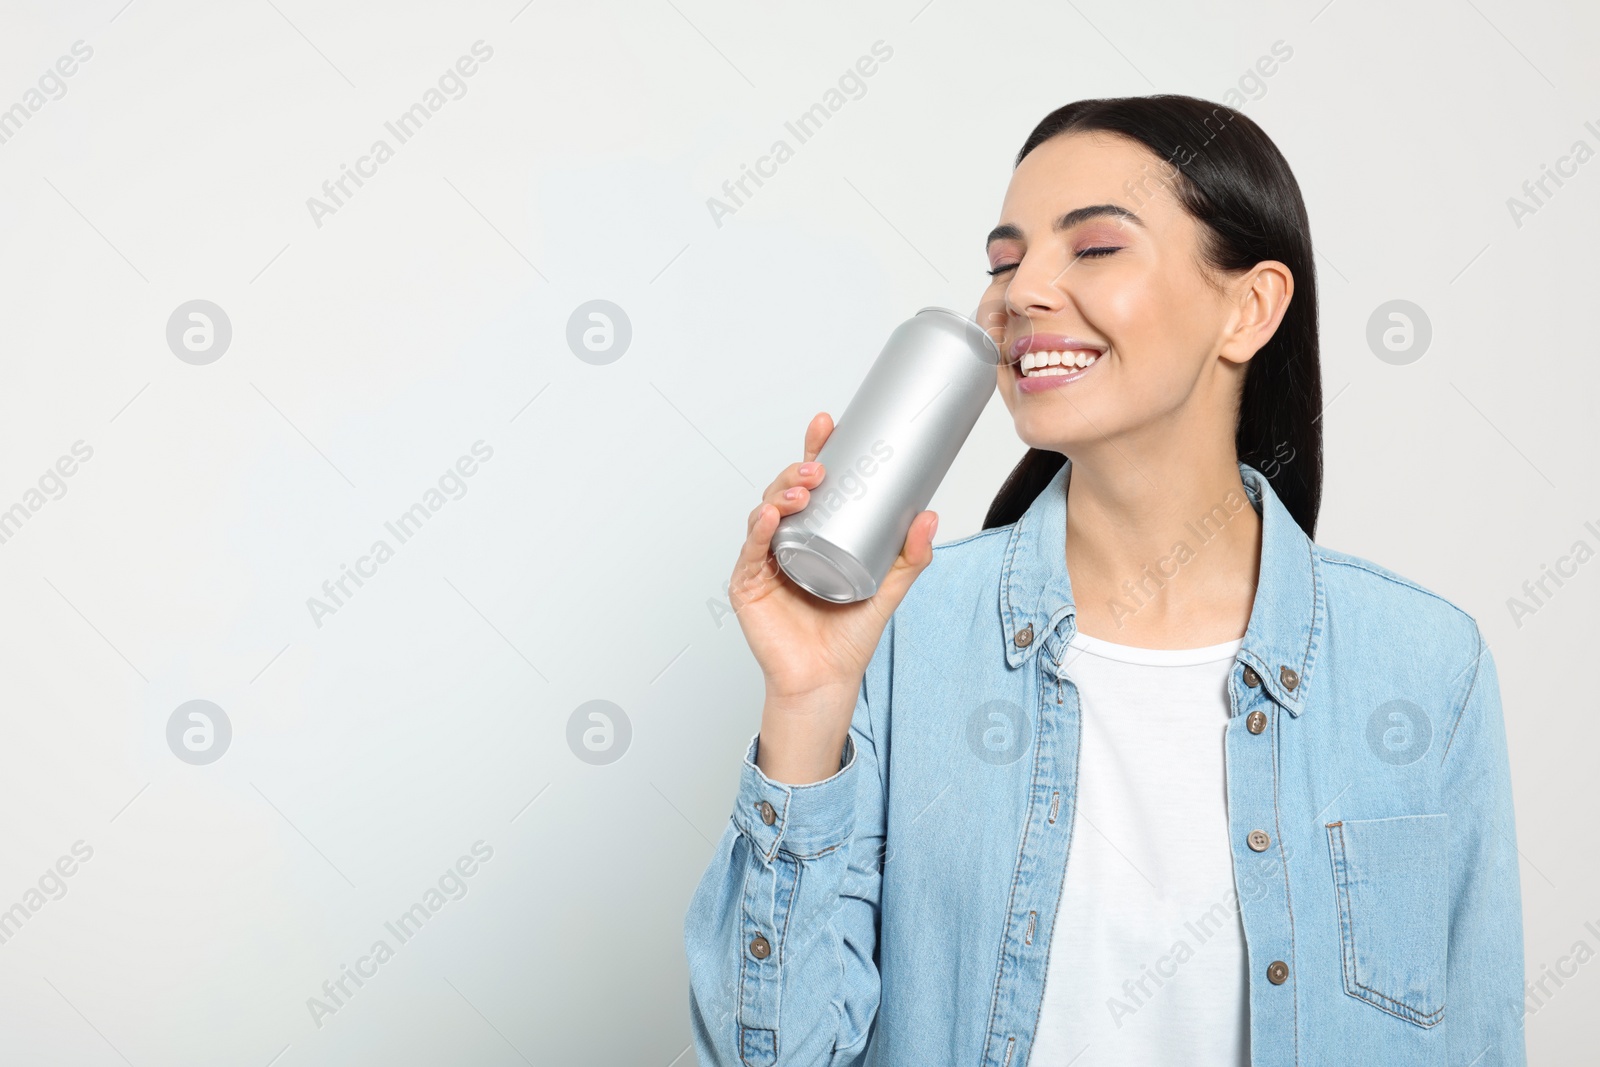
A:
(1008, 232)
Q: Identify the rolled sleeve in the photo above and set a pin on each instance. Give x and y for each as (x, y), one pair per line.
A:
(808, 820)
(782, 932)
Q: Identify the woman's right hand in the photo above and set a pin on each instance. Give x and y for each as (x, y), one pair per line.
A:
(813, 653)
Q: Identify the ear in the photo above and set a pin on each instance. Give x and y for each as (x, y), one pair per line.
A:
(1261, 297)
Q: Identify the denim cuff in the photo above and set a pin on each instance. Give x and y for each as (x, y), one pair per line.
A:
(806, 820)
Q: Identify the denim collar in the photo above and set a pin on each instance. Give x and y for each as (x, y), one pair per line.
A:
(1285, 617)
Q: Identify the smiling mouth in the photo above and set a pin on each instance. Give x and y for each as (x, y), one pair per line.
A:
(1052, 364)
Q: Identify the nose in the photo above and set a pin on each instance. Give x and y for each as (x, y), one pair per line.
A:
(1034, 290)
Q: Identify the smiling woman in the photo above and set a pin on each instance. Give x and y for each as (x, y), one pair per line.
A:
(998, 817)
(1210, 231)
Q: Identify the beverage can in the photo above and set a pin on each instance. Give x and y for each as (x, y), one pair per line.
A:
(887, 454)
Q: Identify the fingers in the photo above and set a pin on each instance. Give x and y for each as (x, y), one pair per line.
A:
(817, 433)
(755, 563)
(778, 493)
(752, 568)
(790, 478)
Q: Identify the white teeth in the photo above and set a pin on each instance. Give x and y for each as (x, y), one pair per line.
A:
(1046, 363)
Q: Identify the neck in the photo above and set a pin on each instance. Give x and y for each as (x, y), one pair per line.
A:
(1162, 545)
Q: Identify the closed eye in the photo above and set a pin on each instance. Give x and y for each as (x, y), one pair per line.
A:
(1087, 253)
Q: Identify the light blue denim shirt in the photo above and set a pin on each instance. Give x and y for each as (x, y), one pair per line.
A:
(899, 913)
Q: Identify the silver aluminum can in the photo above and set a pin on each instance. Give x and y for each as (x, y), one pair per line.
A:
(888, 453)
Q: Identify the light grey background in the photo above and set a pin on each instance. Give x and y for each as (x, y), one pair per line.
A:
(587, 558)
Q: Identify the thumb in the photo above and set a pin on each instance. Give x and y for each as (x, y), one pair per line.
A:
(914, 558)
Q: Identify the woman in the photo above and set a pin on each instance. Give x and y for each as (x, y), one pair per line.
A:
(1140, 773)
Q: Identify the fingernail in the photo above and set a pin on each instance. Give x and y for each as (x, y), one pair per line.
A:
(807, 469)
(791, 494)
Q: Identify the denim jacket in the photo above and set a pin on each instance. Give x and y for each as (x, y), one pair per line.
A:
(899, 913)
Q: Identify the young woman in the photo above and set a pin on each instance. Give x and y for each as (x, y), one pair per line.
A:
(1140, 773)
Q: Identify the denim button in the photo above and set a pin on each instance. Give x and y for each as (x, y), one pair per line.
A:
(1025, 636)
(1289, 677)
(1258, 840)
(1251, 678)
(768, 815)
(1277, 972)
(760, 949)
(1255, 722)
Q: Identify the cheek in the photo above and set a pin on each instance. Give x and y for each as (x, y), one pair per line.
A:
(1123, 310)
(1129, 310)
(1140, 313)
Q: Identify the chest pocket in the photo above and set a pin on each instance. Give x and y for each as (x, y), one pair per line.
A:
(1389, 876)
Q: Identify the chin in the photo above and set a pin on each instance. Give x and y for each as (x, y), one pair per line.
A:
(1063, 430)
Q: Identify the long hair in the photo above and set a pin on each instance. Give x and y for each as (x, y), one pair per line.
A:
(1233, 180)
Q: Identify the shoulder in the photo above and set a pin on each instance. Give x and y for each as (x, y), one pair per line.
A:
(1393, 608)
(984, 544)
(1346, 571)
(974, 557)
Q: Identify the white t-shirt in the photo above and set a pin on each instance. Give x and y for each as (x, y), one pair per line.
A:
(1147, 960)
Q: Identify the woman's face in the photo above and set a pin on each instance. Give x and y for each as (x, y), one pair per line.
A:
(1122, 277)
